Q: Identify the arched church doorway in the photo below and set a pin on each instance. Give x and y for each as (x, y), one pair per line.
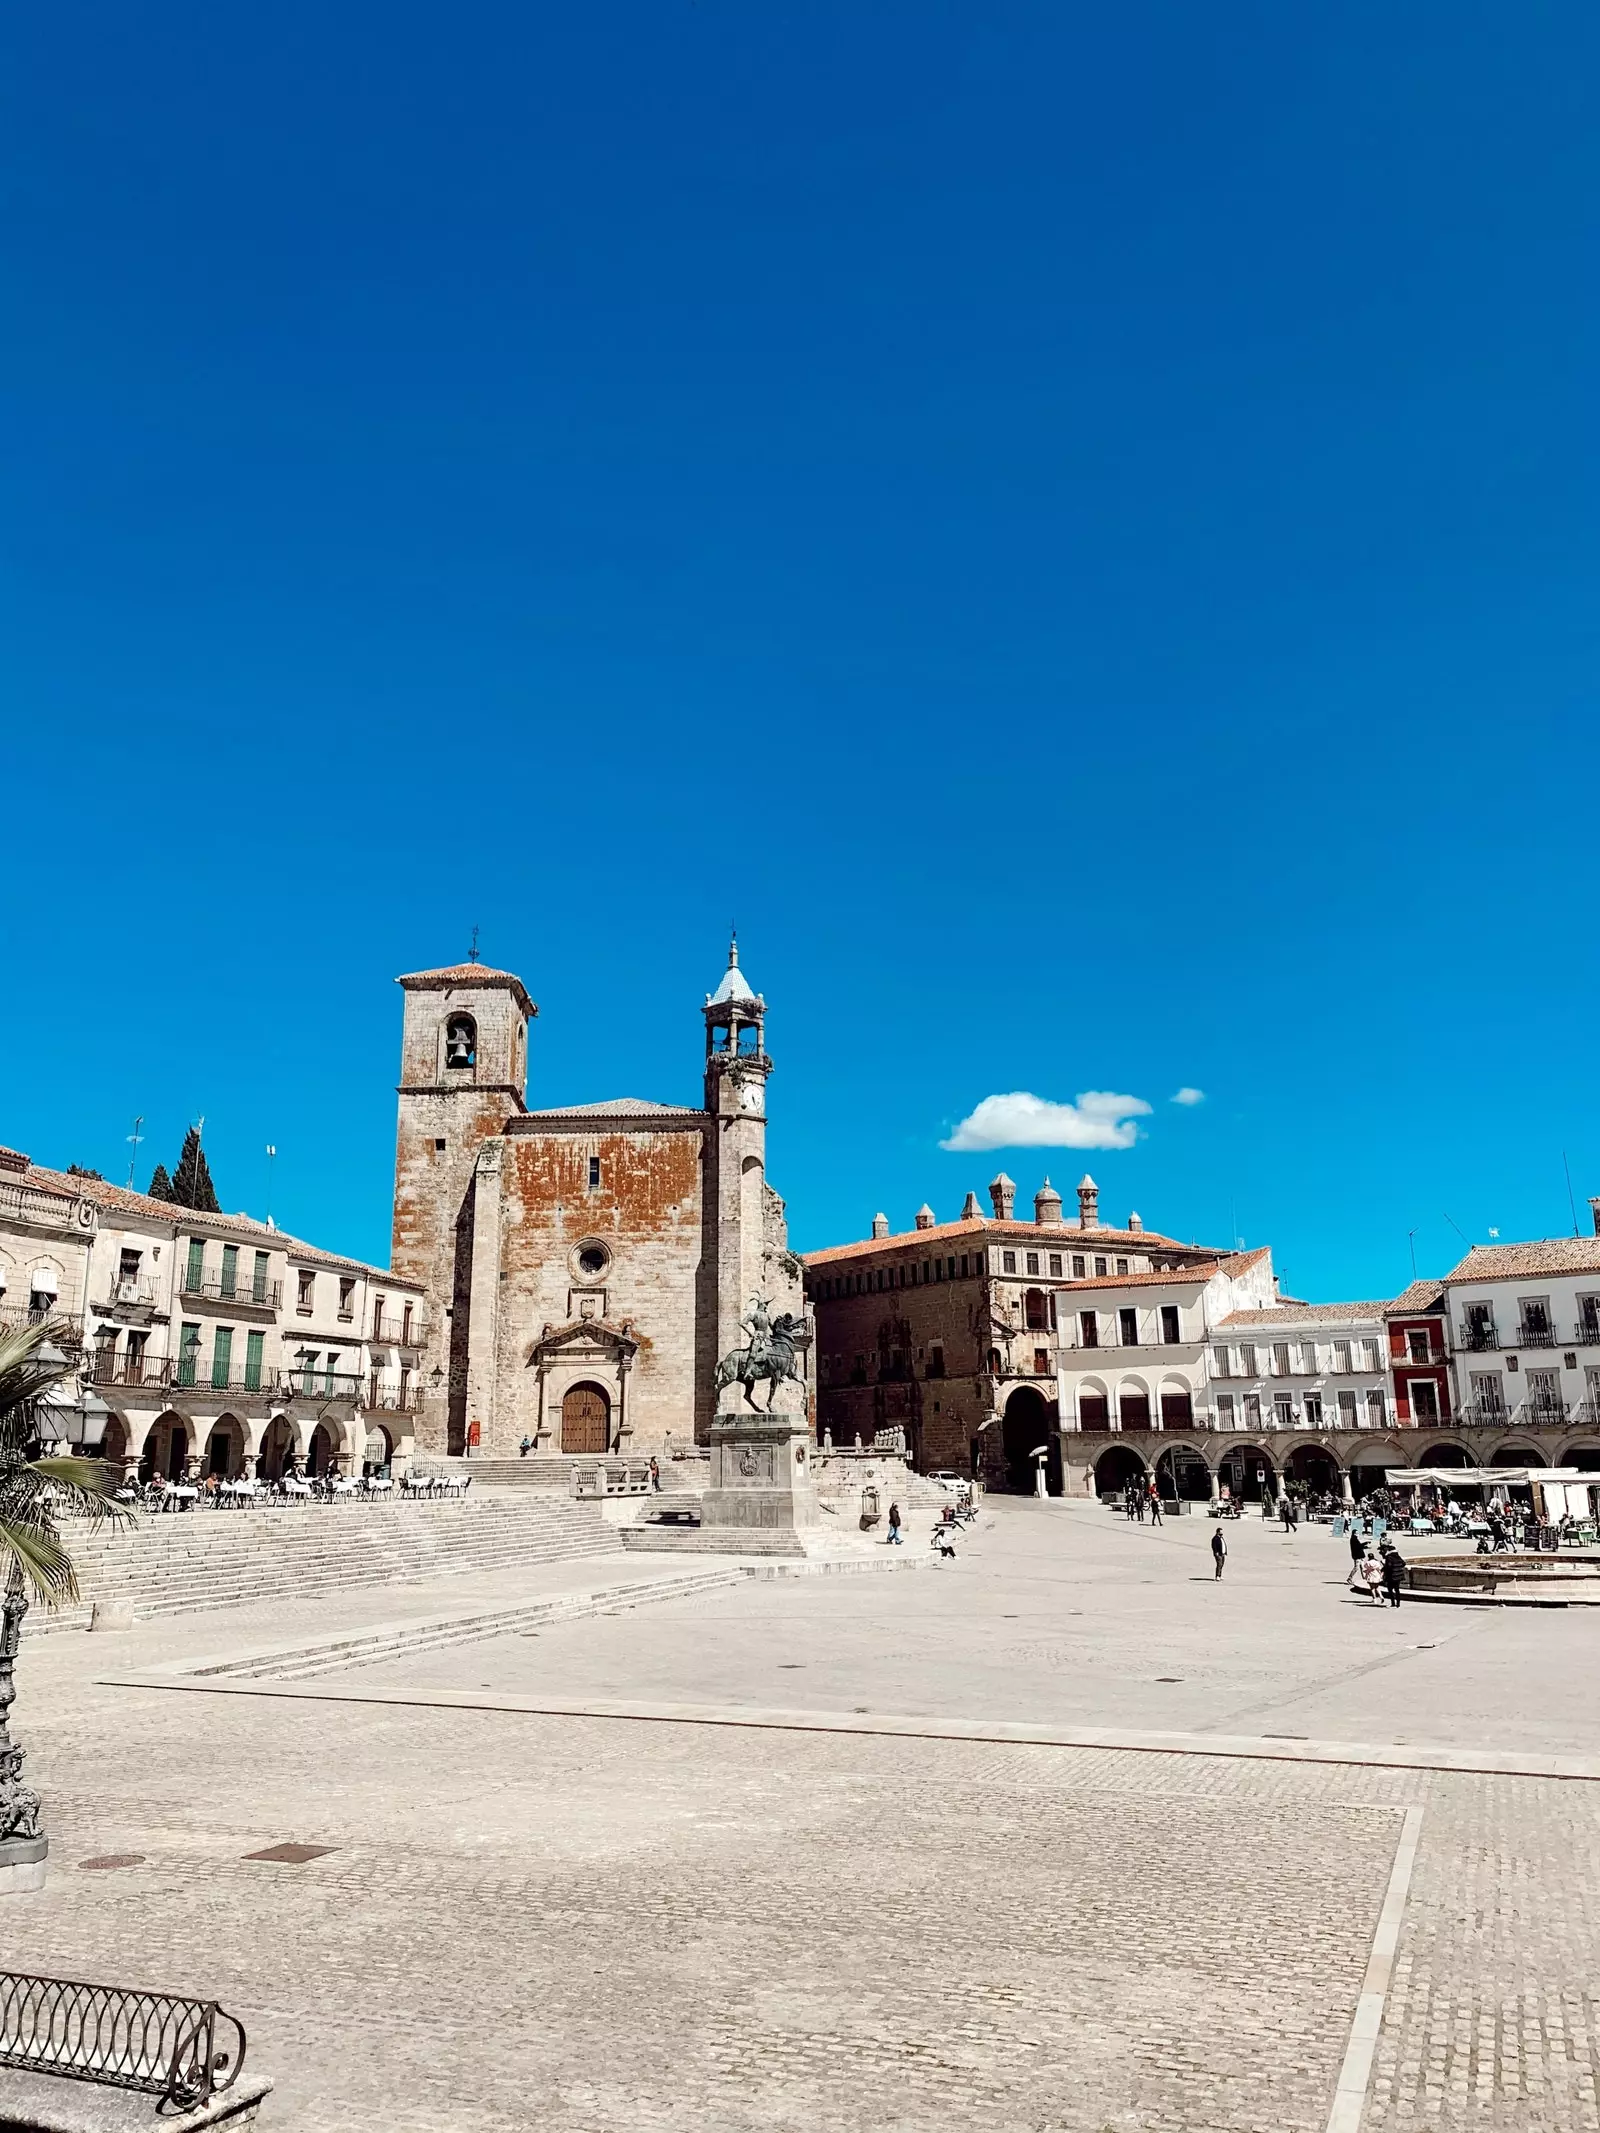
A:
(1030, 1427)
(586, 1420)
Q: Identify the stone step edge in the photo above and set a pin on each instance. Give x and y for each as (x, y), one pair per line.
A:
(192, 1596)
(388, 1639)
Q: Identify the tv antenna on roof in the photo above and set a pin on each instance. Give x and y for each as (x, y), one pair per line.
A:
(135, 1137)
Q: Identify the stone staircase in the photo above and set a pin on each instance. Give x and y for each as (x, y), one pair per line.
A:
(191, 1562)
(391, 1641)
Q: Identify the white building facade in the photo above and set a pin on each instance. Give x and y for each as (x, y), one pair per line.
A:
(208, 1343)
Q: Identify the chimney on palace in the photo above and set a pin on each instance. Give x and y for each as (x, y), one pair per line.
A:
(1088, 1203)
(880, 1225)
(969, 1208)
(1594, 1209)
(1047, 1206)
(1002, 1197)
(924, 1216)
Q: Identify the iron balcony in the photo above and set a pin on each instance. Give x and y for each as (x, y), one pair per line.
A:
(246, 1295)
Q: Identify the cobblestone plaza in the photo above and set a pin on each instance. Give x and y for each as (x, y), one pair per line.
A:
(819, 1851)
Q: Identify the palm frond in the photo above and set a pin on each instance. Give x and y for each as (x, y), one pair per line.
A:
(40, 1559)
(81, 1486)
(35, 1493)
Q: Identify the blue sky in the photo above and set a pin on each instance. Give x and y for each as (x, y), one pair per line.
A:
(1076, 526)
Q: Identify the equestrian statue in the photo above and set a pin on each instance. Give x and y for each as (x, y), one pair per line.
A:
(770, 1354)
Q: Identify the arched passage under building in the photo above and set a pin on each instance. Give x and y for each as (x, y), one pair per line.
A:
(1313, 1467)
(1446, 1455)
(1182, 1474)
(1518, 1455)
(1116, 1468)
(1248, 1474)
(1029, 1428)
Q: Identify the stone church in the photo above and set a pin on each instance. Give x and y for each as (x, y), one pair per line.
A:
(586, 1267)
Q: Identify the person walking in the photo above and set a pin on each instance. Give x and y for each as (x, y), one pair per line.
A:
(894, 1526)
(1394, 1572)
(1138, 1506)
(1155, 1507)
(1358, 1549)
(1219, 1550)
(655, 1474)
(1286, 1513)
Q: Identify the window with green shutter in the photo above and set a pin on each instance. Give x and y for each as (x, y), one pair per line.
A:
(258, 1286)
(230, 1270)
(254, 1347)
(188, 1354)
(196, 1272)
(221, 1357)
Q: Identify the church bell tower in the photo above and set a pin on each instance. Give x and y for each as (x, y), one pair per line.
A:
(737, 1066)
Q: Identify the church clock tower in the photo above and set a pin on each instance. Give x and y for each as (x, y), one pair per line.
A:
(737, 1066)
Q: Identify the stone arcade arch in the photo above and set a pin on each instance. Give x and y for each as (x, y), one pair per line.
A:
(168, 1448)
(1182, 1473)
(1115, 1468)
(1446, 1453)
(1030, 1423)
(224, 1454)
(1517, 1455)
(281, 1439)
(1249, 1473)
(1314, 1467)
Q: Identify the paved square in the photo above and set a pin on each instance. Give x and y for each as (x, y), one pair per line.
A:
(589, 1923)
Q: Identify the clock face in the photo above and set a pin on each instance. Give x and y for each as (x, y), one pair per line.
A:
(750, 1095)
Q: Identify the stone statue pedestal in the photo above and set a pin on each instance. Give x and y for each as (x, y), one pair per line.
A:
(22, 1864)
(761, 1482)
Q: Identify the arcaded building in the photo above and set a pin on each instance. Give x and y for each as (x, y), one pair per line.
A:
(955, 1331)
(587, 1265)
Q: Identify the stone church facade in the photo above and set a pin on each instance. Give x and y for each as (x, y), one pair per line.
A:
(585, 1267)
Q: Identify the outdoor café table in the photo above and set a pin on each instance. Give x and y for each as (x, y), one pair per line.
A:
(378, 1487)
(182, 1496)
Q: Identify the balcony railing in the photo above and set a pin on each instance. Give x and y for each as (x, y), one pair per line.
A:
(1586, 1333)
(248, 1293)
(48, 1210)
(396, 1332)
(323, 1384)
(1535, 1337)
(392, 1399)
(1540, 1414)
(1478, 1339)
(68, 1325)
(142, 1294)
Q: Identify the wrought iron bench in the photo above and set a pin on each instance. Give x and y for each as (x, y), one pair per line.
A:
(185, 2053)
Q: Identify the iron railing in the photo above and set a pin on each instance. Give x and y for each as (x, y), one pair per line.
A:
(1478, 1338)
(1535, 1337)
(243, 1289)
(159, 2043)
(322, 1384)
(392, 1399)
(1586, 1334)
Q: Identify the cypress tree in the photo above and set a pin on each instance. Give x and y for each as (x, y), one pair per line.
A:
(160, 1184)
(191, 1184)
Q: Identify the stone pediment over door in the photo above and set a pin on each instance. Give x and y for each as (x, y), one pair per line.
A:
(585, 1340)
(580, 1372)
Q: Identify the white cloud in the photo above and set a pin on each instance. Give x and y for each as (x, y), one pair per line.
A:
(1097, 1120)
(1189, 1096)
